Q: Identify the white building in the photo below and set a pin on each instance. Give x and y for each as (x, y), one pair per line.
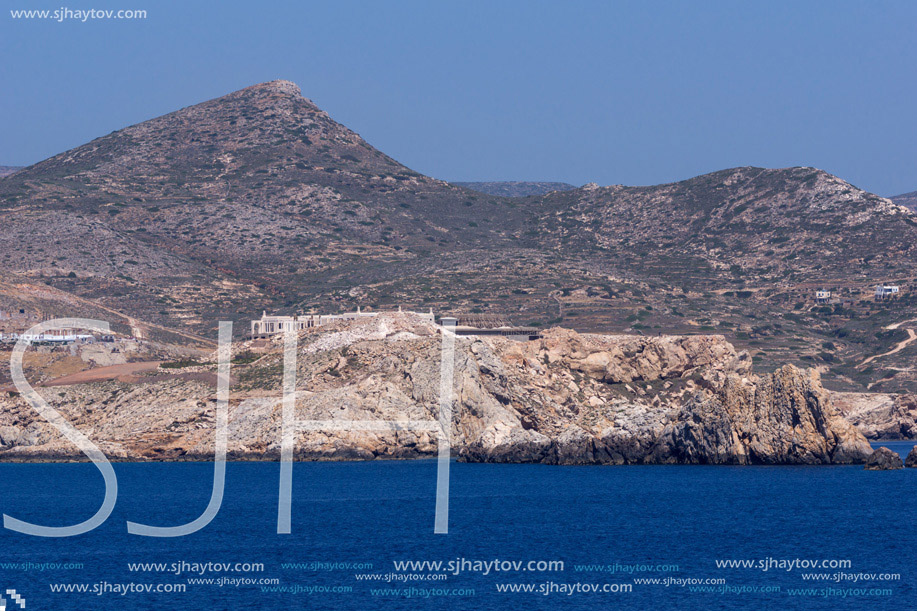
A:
(53, 336)
(271, 325)
(887, 291)
(822, 295)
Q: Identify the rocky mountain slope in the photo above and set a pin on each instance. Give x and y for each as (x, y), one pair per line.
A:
(258, 200)
(906, 199)
(770, 225)
(235, 204)
(515, 188)
(567, 398)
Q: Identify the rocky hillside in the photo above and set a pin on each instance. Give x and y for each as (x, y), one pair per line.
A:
(906, 199)
(568, 398)
(255, 200)
(6, 170)
(515, 188)
(258, 200)
(761, 224)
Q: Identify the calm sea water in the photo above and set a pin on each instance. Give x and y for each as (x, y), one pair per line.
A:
(611, 527)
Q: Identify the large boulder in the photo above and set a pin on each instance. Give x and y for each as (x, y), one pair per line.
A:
(884, 459)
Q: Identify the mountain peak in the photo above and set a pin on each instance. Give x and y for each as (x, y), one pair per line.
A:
(267, 94)
(282, 87)
(278, 95)
(279, 85)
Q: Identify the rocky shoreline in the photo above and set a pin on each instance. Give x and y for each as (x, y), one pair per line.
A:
(567, 398)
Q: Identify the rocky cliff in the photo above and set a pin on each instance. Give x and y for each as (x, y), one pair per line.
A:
(880, 415)
(566, 398)
(784, 417)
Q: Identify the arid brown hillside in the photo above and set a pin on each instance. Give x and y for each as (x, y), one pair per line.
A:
(774, 225)
(255, 200)
(260, 201)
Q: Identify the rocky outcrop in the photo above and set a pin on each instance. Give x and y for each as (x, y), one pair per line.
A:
(627, 358)
(911, 460)
(883, 459)
(566, 398)
(784, 417)
(880, 415)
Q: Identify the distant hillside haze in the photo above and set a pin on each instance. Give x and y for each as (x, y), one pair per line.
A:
(6, 170)
(906, 199)
(515, 188)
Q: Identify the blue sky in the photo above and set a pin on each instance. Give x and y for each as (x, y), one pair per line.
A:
(610, 92)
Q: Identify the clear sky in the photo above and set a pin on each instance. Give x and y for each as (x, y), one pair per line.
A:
(611, 92)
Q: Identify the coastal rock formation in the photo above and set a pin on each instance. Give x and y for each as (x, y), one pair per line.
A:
(566, 398)
(784, 417)
(911, 460)
(883, 459)
(880, 415)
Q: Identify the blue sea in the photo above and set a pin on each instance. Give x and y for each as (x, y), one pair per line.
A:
(520, 537)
